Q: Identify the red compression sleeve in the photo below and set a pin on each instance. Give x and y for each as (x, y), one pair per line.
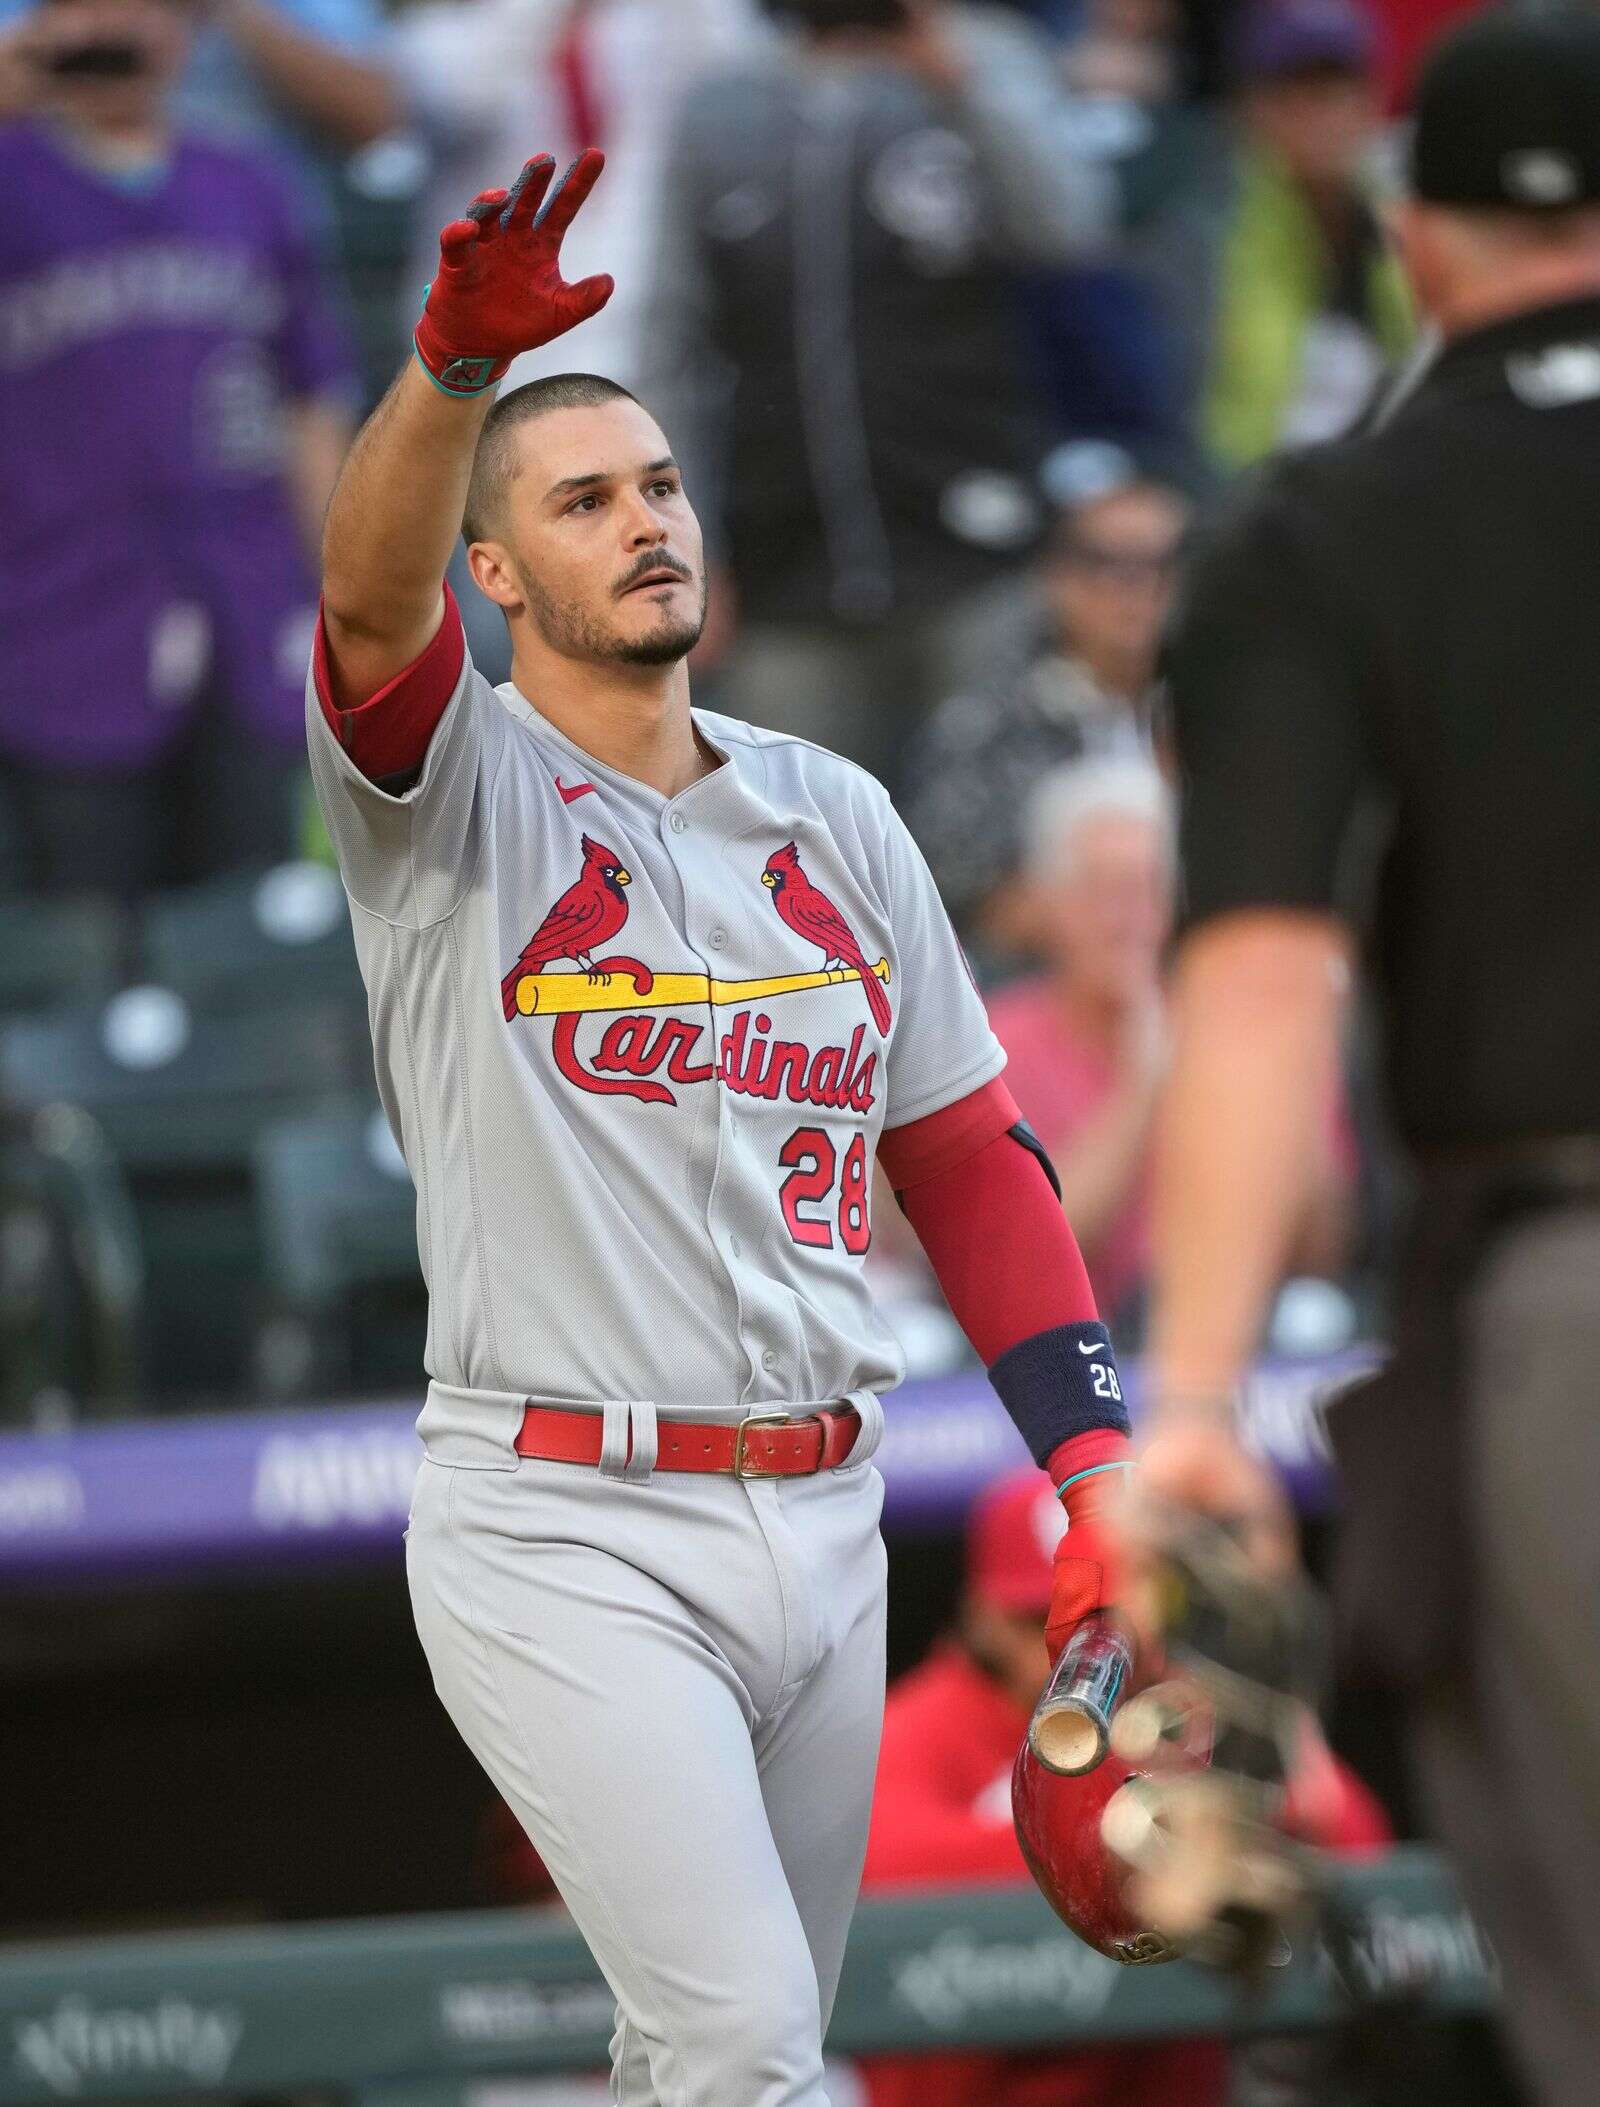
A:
(997, 1239)
(387, 735)
(1004, 1254)
(946, 1138)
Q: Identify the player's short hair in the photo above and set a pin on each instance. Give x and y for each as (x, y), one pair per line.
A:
(494, 466)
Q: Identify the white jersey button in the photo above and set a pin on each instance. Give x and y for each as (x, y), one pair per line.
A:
(677, 822)
(717, 938)
(769, 1359)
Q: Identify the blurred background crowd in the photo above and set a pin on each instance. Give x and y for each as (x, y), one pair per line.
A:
(961, 316)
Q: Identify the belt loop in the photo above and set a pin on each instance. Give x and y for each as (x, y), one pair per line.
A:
(865, 1446)
(642, 1420)
(615, 1414)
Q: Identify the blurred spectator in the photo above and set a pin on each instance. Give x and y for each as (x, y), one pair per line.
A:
(1406, 29)
(298, 75)
(1131, 65)
(487, 81)
(1127, 52)
(304, 75)
(1083, 684)
(173, 410)
(303, 81)
(1085, 1041)
(835, 301)
(1293, 301)
(1114, 356)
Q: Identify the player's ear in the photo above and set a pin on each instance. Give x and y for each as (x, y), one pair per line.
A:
(494, 574)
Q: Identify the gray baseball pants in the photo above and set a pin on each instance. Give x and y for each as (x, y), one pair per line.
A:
(677, 1684)
(1510, 1758)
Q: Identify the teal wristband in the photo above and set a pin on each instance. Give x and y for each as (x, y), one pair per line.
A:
(1093, 1471)
(477, 375)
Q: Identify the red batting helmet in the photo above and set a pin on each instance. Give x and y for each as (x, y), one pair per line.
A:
(1084, 1881)
(1214, 1783)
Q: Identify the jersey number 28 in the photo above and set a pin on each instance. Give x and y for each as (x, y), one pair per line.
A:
(811, 1160)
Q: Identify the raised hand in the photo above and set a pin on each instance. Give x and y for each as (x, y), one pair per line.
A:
(498, 290)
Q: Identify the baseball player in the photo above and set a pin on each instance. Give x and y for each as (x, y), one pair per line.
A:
(650, 991)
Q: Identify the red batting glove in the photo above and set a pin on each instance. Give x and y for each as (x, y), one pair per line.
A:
(498, 290)
(1089, 1470)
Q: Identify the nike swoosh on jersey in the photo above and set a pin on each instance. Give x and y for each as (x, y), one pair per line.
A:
(1099, 1346)
(571, 790)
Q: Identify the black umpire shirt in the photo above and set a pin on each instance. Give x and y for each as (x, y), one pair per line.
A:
(1407, 624)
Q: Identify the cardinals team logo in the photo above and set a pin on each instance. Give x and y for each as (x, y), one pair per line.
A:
(588, 913)
(642, 1050)
(811, 914)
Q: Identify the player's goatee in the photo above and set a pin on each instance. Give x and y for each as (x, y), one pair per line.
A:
(664, 646)
(576, 632)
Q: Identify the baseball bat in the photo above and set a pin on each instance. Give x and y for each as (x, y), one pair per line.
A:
(1071, 1726)
(560, 994)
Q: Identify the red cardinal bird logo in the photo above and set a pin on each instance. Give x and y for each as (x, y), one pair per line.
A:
(813, 915)
(589, 913)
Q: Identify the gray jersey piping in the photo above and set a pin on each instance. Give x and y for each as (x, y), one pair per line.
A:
(437, 1274)
(479, 1238)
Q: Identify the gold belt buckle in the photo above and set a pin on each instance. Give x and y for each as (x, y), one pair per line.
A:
(757, 1419)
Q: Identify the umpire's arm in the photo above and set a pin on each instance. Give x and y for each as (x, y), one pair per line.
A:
(1267, 678)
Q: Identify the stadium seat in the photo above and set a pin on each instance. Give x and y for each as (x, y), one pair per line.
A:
(71, 1273)
(181, 1097)
(254, 939)
(58, 951)
(339, 1244)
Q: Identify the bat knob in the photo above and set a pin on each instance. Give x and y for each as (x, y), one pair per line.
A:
(1070, 1731)
(1068, 1738)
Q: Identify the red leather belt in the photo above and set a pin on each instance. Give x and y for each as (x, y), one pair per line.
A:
(766, 1445)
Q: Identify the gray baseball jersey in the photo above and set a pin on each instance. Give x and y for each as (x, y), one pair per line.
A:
(638, 1052)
